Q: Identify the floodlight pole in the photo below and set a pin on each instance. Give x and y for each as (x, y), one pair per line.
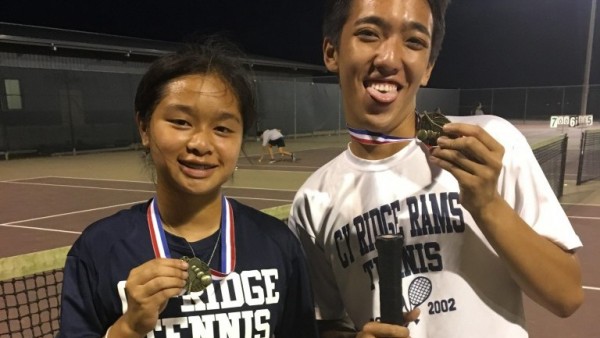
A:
(588, 61)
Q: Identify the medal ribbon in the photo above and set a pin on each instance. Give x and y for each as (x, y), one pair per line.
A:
(372, 138)
(227, 242)
(157, 234)
(161, 248)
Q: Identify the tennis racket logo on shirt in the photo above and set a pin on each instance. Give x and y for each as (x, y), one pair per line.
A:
(419, 290)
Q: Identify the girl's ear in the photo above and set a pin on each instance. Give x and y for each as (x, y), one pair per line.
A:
(330, 56)
(142, 129)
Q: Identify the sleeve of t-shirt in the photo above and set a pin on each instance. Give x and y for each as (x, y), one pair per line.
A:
(265, 138)
(524, 186)
(298, 320)
(328, 302)
(79, 317)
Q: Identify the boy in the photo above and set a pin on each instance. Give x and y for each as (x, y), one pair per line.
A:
(480, 222)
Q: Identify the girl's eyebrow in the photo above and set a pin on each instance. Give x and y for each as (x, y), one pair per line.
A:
(188, 110)
(225, 115)
(180, 107)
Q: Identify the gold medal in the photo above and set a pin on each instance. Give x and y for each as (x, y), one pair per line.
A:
(199, 275)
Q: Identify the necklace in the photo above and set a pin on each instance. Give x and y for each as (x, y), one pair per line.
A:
(428, 129)
(226, 237)
(372, 138)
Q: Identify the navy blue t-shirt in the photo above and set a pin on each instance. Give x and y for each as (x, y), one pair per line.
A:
(268, 294)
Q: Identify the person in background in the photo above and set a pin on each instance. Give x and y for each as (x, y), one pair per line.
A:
(270, 138)
(480, 222)
(479, 109)
(190, 262)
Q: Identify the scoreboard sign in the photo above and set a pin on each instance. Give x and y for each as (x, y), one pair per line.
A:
(571, 120)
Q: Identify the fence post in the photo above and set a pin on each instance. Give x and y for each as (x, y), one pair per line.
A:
(581, 150)
(525, 106)
(563, 165)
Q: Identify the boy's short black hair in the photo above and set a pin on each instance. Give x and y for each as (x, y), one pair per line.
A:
(336, 13)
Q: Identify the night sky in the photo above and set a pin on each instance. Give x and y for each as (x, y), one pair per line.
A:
(489, 43)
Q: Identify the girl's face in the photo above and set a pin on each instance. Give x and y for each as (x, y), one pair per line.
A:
(194, 135)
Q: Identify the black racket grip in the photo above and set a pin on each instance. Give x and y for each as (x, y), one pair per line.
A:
(389, 249)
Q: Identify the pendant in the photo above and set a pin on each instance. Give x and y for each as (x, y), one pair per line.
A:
(199, 277)
(429, 127)
(188, 281)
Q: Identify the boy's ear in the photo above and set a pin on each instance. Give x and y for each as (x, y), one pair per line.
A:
(330, 55)
(427, 75)
(142, 129)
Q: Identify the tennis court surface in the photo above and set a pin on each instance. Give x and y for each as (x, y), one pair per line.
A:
(46, 203)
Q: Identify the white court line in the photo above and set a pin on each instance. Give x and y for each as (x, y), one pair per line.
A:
(97, 179)
(281, 168)
(256, 188)
(583, 217)
(10, 225)
(80, 187)
(225, 186)
(153, 191)
(582, 204)
(132, 190)
(260, 199)
(591, 288)
(73, 178)
(40, 229)
(75, 212)
(28, 178)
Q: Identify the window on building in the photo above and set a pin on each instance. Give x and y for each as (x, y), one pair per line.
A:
(14, 101)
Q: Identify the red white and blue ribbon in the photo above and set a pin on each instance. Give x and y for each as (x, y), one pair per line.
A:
(161, 248)
(373, 138)
(157, 234)
(227, 242)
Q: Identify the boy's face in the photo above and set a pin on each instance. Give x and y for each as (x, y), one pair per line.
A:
(382, 60)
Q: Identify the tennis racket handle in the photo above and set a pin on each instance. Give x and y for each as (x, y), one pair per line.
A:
(389, 248)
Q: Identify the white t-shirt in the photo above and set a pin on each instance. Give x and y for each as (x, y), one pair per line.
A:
(270, 135)
(450, 270)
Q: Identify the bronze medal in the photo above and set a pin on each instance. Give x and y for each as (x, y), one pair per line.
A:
(199, 275)
(188, 282)
(429, 127)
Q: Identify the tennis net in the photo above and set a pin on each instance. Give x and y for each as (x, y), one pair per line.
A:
(551, 154)
(31, 285)
(589, 156)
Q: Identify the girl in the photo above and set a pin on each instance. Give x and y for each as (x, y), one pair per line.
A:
(189, 262)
